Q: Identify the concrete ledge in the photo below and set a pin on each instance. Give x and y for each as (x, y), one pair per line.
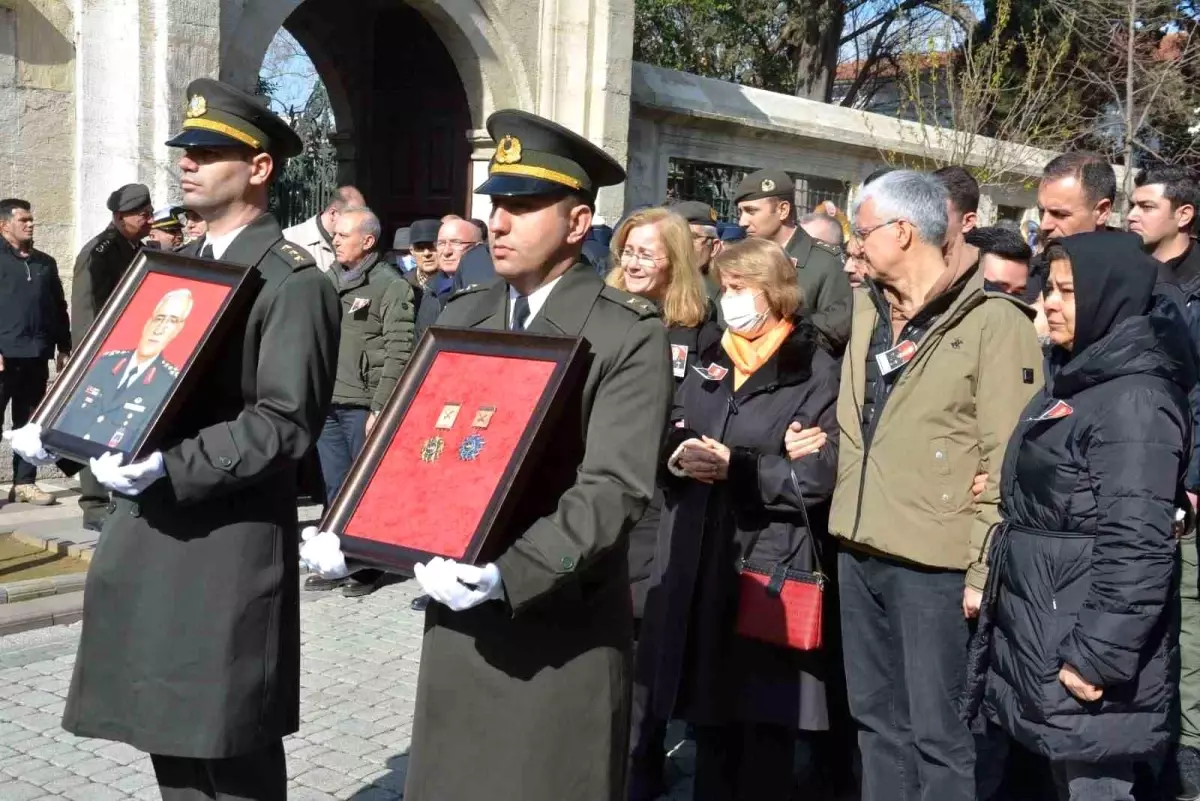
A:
(40, 588)
(56, 610)
(58, 545)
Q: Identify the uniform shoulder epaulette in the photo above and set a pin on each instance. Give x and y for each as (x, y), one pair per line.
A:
(832, 250)
(170, 368)
(297, 257)
(103, 241)
(638, 305)
(469, 289)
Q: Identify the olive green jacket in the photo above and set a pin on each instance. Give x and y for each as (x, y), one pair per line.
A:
(948, 417)
(378, 315)
(826, 288)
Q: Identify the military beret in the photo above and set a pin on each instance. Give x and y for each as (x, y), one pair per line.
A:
(220, 115)
(535, 156)
(424, 231)
(168, 218)
(765, 183)
(129, 197)
(696, 212)
(401, 240)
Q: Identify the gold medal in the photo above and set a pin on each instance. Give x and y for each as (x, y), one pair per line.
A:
(432, 448)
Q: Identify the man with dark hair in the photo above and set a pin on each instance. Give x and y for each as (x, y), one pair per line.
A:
(33, 325)
(190, 647)
(525, 664)
(1076, 195)
(963, 209)
(1163, 214)
(766, 209)
(98, 269)
(1004, 258)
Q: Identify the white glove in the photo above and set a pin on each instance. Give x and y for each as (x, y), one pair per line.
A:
(459, 587)
(322, 553)
(26, 442)
(131, 479)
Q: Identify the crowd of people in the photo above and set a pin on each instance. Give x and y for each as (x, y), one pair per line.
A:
(977, 448)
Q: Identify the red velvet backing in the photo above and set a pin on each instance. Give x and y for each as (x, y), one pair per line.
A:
(437, 506)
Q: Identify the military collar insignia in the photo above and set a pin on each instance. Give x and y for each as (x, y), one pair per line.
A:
(768, 185)
(197, 107)
(508, 150)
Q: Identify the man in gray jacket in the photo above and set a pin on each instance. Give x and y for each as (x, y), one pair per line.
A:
(378, 315)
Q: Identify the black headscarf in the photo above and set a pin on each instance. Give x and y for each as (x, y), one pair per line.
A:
(1114, 280)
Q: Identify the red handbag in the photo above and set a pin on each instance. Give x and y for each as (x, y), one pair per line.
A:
(778, 604)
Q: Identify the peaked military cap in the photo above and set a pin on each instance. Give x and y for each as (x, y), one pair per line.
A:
(129, 197)
(535, 156)
(424, 231)
(168, 218)
(220, 115)
(765, 183)
(696, 212)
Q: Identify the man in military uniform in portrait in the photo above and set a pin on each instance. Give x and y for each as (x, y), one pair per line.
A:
(125, 388)
(766, 202)
(523, 691)
(190, 648)
(98, 270)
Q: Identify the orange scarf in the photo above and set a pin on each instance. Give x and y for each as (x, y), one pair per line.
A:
(748, 355)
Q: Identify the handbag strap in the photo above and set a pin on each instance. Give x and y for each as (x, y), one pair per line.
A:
(779, 573)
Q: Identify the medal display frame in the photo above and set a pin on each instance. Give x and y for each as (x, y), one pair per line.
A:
(445, 467)
(218, 291)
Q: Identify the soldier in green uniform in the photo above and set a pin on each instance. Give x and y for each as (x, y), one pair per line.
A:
(706, 240)
(98, 269)
(190, 648)
(524, 684)
(766, 207)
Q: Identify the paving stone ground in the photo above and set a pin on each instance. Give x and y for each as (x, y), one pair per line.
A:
(359, 663)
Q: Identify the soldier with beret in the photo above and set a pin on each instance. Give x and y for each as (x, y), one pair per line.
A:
(523, 692)
(166, 228)
(190, 648)
(766, 208)
(98, 270)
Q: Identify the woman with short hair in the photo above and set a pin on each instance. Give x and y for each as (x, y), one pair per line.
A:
(732, 494)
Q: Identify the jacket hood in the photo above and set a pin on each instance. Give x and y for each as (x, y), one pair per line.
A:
(1155, 344)
(1114, 280)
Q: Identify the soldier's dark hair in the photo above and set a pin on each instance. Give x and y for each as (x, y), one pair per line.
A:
(1003, 242)
(1094, 173)
(962, 186)
(11, 204)
(1054, 252)
(1179, 185)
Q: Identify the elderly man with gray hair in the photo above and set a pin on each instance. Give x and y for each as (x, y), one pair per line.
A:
(378, 315)
(936, 375)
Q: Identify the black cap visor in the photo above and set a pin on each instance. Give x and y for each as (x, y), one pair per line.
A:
(195, 137)
(521, 186)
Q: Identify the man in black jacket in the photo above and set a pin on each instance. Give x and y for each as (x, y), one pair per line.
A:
(98, 270)
(33, 324)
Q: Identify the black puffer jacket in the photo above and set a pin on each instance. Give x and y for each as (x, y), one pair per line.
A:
(1083, 570)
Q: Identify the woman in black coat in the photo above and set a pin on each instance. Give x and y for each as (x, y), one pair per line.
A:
(654, 259)
(1082, 593)
(730, 496)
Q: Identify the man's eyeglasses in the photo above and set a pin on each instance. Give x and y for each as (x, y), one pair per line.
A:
(643, 258)
(454, 243)
(860, 234)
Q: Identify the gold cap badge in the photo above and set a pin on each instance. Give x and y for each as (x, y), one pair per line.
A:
(768, 185)
(197, 107)
(508, 150)
(712, 213)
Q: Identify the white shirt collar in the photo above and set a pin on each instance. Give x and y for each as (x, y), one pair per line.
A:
(221, 243)
(536, 298)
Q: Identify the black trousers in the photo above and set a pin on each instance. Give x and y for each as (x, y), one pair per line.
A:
(23, 383)
(744, 762)
(261, 776)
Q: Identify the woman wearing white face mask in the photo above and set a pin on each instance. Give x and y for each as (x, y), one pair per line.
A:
(730, 496)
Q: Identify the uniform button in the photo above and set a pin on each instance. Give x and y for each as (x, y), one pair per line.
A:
(135, 510)
(568, 563)
(939, 455)
(100, 419)
(945, 497)
(226, 461)
(112, 507)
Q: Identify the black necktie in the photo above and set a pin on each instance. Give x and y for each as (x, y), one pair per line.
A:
(207, 252)
(520, 313)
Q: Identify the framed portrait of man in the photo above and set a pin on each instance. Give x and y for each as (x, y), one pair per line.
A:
(141, 356)
(446, 470)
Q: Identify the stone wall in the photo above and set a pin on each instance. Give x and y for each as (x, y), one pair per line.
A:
(37, 110)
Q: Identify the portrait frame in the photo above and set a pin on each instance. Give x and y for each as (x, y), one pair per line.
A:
(190, 273)
(483, 534)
